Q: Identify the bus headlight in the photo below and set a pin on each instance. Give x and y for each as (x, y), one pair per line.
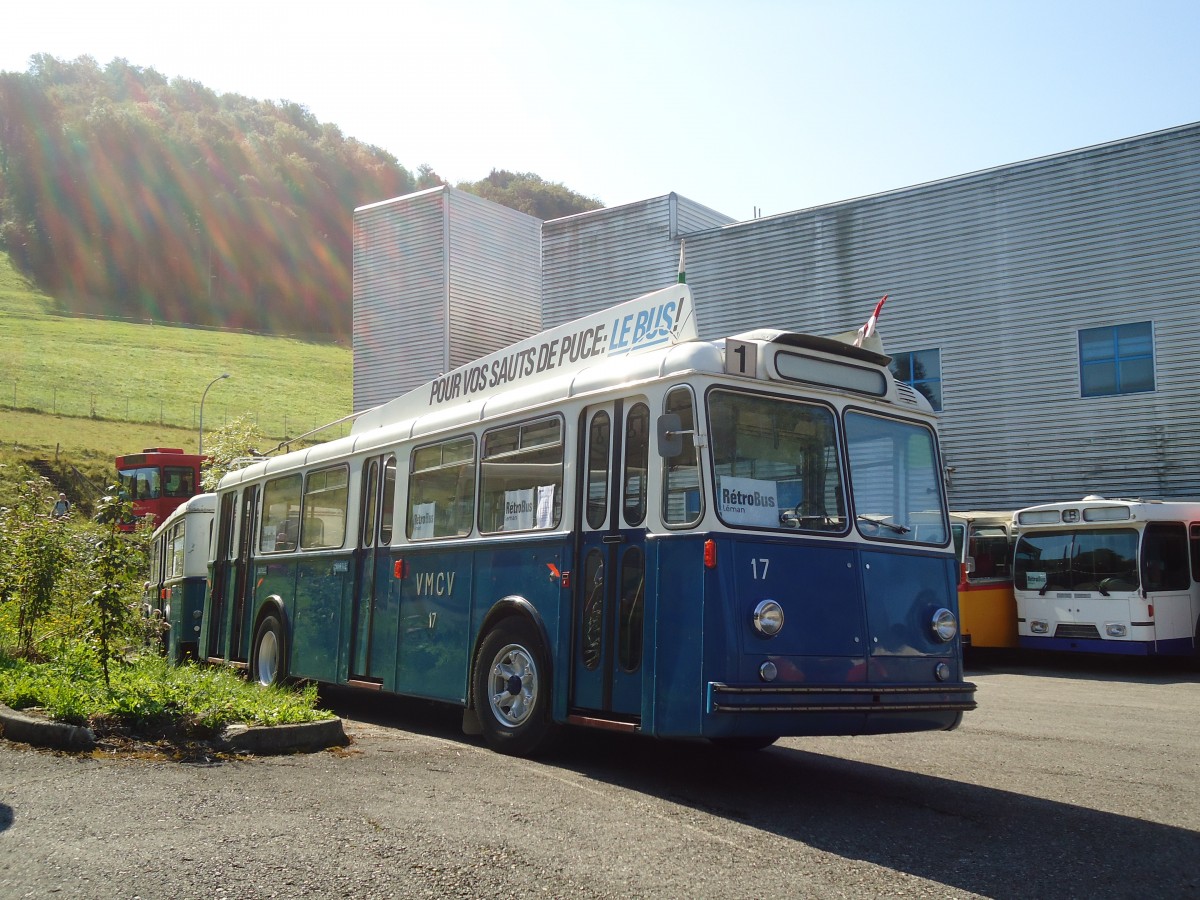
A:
(1037, 626)
(1112, 629)
(768, 618)
(945, 625)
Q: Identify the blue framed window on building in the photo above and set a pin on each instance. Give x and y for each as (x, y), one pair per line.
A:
(923, 370)
(1116, 359)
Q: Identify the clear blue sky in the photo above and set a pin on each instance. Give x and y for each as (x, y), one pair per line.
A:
(735, 104)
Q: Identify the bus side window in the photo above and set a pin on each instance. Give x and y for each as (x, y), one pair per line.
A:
(1195, 543)
(1165, 554)
(637, 452)
(280, 514)
(681, 497)
(441, 490)
(521, 477)
(326, 495)
(389, 501)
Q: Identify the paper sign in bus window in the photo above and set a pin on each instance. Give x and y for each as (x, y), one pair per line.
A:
(519, 509)
(748, 501)
(424, 516)
(545, 506)
(1035, 580)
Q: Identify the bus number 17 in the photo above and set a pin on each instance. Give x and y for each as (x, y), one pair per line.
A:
(758, 566)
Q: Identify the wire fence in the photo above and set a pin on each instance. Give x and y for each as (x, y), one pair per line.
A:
(104, 405)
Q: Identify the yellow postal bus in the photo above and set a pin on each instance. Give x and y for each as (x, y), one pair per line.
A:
(987, 609)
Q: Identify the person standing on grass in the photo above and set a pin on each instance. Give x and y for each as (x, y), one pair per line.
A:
(62, 508)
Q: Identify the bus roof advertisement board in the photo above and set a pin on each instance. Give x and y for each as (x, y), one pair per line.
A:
(657, 319)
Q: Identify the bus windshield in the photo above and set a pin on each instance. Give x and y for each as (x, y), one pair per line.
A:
(141, 484)
(896, 481)
(1077, 560)
(776, 463)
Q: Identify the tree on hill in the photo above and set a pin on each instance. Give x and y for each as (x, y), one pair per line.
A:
(528, 193)
(127, 193)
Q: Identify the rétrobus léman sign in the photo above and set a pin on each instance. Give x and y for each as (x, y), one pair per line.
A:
(654, 320)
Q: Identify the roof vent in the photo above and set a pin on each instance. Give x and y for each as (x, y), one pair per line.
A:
(906, 393)
(1091, 497)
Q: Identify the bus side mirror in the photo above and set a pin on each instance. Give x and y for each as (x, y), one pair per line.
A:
(969, 566)
(670, 437)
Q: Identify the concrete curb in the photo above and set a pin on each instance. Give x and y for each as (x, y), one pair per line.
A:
(268, 739)
(256, 739)
(27, 729)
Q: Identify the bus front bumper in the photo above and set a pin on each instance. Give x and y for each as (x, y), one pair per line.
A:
(883, 699)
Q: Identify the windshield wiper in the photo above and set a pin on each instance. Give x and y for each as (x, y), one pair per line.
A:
(899, 529)
(793, 519)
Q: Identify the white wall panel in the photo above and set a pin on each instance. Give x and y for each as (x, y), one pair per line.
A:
(441, 277)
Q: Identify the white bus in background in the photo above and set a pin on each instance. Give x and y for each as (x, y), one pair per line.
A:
(1109, 576)
(179, 575)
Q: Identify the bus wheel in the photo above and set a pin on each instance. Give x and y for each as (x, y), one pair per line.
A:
(743, 744)
(512, 689)
(267, 667)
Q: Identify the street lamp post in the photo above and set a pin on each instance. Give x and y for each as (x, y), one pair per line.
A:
(202, 398)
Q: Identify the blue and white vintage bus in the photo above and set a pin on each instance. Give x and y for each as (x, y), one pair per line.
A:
(174, 595)
(1109, 576)
(615, 525)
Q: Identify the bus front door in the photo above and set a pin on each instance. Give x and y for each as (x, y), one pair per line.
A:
(609, 598)
(239, 641)
(373, 618)
(213, 627)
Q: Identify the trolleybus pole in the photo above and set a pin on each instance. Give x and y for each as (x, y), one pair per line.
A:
(202, 398)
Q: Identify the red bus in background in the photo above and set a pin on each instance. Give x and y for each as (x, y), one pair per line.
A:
(158, 480)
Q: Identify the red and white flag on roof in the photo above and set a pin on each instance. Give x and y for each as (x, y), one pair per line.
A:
(868, 327)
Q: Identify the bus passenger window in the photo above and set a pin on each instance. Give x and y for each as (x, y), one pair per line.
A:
(441, 490)
(389, 501)
(521, 477)
(326, 494)
(176, 545)
(681, 497)
(280, 514)
(637, 450)
(370, 495)
(599, 439)
(1165, 557)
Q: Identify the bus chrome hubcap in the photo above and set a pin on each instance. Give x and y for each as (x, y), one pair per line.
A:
(268, 658)
(512, 685)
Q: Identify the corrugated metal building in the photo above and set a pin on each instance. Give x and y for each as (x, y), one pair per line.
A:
(592, 260)
(1046, 306)
(441, 277)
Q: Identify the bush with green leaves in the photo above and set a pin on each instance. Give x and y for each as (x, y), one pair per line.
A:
(119, 565)
(228, 448)
(35, 552)
(74, 642)
(146, 691)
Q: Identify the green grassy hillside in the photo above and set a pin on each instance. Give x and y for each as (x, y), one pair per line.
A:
(96, 388)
